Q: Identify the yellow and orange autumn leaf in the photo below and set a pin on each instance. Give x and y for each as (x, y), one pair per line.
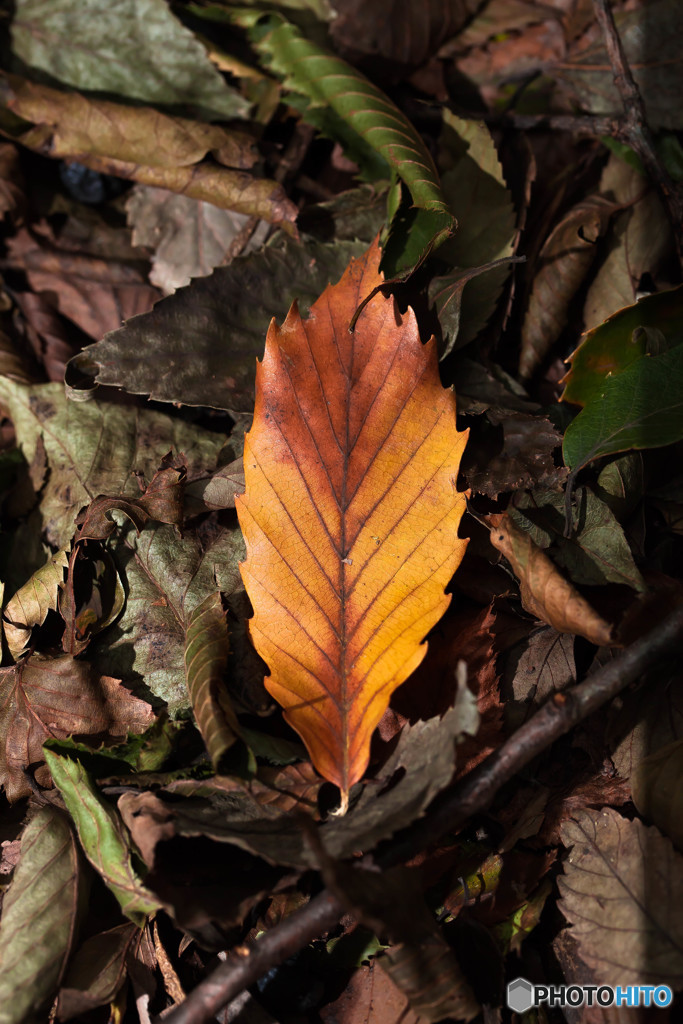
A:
(350, 514)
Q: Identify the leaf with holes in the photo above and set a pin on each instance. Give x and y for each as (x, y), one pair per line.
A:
(350, 514)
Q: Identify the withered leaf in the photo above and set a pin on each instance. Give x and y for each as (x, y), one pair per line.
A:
(350, 514)
(639, 940)
(58, 697)
(30, 604)
(95, 447)
(565, 260)
(657, 793)
(96, 972)
(177, 354)
(544, 591)
(513, 453)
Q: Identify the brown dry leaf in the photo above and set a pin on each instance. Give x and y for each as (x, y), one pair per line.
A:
(350, 514)
(544, 591)
(516, 455)
(70, 125)
(58, 697)
(45, 333)
(657, 791)
(96, 972)
(541, 666)
(564, 261)
(95, 294)
(639, 939)
(12, 198)
(370, 997)
(144, 145)
(188, 237)
(161, 501)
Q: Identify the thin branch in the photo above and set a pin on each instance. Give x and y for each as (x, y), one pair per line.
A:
(635, 130)
(448, 812)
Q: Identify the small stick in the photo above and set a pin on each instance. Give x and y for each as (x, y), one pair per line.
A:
(448, 812)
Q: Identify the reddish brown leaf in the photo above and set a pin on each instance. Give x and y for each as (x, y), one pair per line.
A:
(350, 514)
(57, 697)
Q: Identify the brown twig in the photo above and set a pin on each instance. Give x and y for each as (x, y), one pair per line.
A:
(472, 795)
(635, 129)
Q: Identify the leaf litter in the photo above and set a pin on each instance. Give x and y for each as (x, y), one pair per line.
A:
(173, 179)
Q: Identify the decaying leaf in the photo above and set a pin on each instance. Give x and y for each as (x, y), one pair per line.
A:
(419, 960)
(174, 355)
(543, 589)
(102, 836)
(640, 939)
(58, 697)
(350, 514)
(95, 448)
(96, 972)
(656, 785)
(30, 604)
(565, 260)
(188, 237)
(40, 917)
(206, 658)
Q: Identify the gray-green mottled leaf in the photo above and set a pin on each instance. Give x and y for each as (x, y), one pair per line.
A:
(103, 837)
(650, 36)
(206, 658)
(168, 577)
(30, 605)
(327, 81)
(39, 918)
(642, 407)
(132, 48)
(200, 345)
(95, 448)
(635, 871)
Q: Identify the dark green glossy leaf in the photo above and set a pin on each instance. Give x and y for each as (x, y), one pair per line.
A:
(642, 407)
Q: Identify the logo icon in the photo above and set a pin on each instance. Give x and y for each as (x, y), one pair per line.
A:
(520, 995)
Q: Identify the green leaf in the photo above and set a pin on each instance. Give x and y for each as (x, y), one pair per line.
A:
(327, 81)
(40, 915)
(103, 837)
(200, 345)
(133, 48)
(95, 448)
(640, 408)
(613, 346)
(30, 605)
(206, 658)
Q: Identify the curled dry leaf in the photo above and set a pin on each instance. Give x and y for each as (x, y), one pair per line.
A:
(544, 591)
(30, 604)
(206, 658)
(350, 514)
(96, 972)
(565, 260)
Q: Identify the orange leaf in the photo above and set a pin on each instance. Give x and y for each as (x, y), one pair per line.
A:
(350, 514)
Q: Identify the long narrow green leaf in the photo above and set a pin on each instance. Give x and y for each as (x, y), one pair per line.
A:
(327, 81)
(103, 837)
(39, 917)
